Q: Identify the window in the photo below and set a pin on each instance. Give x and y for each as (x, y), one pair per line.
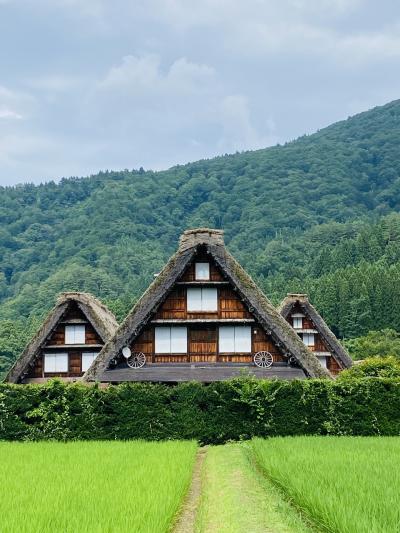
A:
(322, 360)
(87, 359)
(298, 322)
(308, 339)
(204, 299)
(55, 362)
(202, 271)
(170, 340)
(234, 339)
(75, 334)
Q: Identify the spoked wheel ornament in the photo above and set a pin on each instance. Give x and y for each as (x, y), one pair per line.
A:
(263, 359)
(136, 360)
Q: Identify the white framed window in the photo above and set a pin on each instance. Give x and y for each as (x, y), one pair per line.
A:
(308, 339)
(323, 361)
(170, 339)
(55, 362)
(87, 359)
(298, 322)
(235, 339)
(202, 299)
(202, 271)
(75, 334)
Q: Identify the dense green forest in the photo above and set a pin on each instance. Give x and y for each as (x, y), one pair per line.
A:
(319, 215)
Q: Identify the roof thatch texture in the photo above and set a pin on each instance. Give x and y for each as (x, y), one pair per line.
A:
(98, 315)
(301, 300)
(258, 304)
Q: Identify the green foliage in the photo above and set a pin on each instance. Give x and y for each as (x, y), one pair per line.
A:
(317, 215)
(375, 344)
(70, 487)
(340, 484)
(373, 367)
(216, 413)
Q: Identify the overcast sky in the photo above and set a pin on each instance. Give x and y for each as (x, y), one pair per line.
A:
(87, 85)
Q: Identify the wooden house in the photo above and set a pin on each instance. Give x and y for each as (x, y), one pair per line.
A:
(314, 332)
(203, 318)
(68, 341)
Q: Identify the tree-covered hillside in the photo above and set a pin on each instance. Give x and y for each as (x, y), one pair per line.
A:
(318, 214)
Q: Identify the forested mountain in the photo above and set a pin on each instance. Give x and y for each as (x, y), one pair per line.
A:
(319, 214)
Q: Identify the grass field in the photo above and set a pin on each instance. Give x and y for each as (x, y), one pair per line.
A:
(346, 485)
(92, 486)
(279, 485)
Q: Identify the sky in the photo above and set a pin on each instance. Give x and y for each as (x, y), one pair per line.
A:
(89, 85)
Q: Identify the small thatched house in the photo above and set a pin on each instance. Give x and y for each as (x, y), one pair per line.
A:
(203, 318)
(68, 341)
(314, 332)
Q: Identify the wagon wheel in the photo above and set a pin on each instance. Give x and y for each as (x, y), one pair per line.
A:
(263, 359)
(136, 360)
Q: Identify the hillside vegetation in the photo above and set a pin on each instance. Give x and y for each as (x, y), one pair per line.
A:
(319, 214)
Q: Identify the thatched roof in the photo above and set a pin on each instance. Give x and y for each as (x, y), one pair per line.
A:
(301, 300)
(97, 314)
(257, 303)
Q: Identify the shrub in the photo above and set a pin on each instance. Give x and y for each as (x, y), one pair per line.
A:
(230, 410)
(374, 367)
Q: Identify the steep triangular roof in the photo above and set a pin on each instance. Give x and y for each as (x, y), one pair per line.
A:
(257, 303)
(97, 314)
(301, 300)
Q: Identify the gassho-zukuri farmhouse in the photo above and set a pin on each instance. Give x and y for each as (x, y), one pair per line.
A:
(203, 318)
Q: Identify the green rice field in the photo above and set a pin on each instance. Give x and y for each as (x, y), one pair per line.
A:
(92, 486)
(345, 485)
(279, 485)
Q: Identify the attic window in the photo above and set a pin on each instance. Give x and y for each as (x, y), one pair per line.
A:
(204, 299)
(87, 359)
(202, 271)
(75, 334)
(55, 362)
(298, 322)
(322, 360)
(308, 339)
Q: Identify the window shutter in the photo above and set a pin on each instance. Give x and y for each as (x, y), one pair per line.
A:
(80, 334)
(194, 299)
(209, 299)
(69, 334)
(87, 359)
(202, 271)
(308, 339)
(55, 362)
(297, 322)
(75, 334)
(162, 340)
(178, 340)
(226, 339)
(242, 339)
(61, 362)
(49, 362)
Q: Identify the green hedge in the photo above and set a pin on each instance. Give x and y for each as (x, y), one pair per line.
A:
(229, 410)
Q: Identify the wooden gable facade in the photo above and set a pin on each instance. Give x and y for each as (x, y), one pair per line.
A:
(315, 333)
(203, 318)
(205, 332)
(70, 339)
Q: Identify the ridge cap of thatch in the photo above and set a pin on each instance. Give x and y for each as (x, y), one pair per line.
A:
(330, 338)
(141, 312)
(102, 319)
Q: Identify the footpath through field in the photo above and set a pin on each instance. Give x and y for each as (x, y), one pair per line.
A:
(229, 495)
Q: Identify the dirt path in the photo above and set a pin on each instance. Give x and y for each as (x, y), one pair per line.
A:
(236, 497)
(187, 518)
